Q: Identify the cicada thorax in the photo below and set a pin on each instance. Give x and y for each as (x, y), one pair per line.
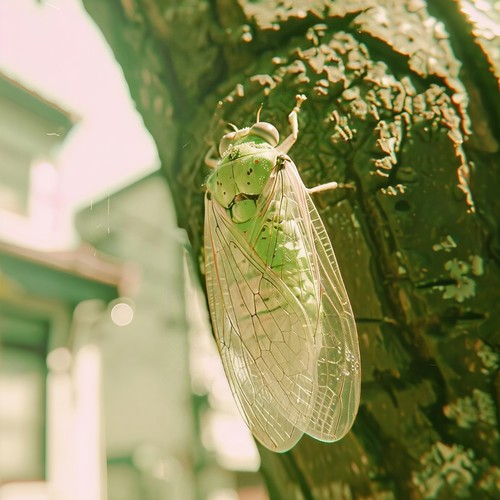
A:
(239, 179)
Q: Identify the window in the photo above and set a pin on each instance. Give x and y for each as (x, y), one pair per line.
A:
(14, 175)
(22, 400)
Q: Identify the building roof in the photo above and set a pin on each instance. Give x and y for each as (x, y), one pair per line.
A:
(72, 276)
(34, 102)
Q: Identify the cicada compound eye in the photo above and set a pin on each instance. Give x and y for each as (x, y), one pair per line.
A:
(267, 132)
(225, 142)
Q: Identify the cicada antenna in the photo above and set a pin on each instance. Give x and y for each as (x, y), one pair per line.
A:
(215, 122)
(258, 112)
(208, 158)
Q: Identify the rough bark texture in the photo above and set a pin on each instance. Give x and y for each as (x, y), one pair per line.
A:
(403, 102)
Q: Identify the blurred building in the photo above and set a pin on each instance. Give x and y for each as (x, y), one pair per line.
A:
(150, 431)
(41, 388)
(94, 388)
(32, 130)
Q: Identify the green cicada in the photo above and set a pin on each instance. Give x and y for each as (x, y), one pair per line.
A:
(281, 315)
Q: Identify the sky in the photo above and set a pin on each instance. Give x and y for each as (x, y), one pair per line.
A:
(54, 48)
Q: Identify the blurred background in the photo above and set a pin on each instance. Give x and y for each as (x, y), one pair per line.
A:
(110, 383)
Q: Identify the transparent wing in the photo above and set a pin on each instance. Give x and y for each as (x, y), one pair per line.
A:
(282, 317)
(338, 374)
(265, 338)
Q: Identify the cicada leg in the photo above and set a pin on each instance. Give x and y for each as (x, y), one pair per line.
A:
(285, 146)
(210, 160)
(328, 186)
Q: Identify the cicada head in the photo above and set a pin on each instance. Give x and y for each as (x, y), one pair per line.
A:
(265, 131)
(258, 133)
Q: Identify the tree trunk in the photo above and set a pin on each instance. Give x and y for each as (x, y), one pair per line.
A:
(402, 102)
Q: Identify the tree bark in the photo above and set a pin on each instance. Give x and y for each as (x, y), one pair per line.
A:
(402, 102)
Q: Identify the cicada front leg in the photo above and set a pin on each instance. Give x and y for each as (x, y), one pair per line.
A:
(211, 161)
(286, 145)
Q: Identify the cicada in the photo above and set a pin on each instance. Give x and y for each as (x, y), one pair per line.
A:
(280, 312)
